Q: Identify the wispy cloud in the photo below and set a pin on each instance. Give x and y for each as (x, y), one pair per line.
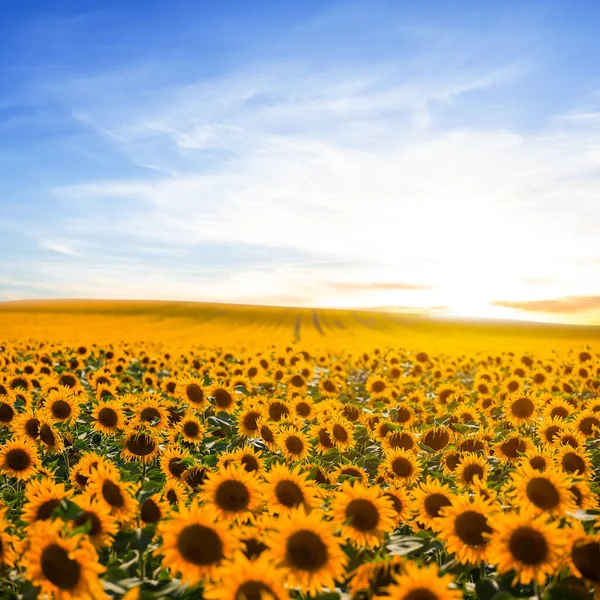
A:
(569, 304)
(403, 180)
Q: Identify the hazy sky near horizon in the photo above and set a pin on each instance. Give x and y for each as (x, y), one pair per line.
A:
(438, 157)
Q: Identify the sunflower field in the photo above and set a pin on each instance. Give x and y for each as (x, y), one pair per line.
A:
(271, 468)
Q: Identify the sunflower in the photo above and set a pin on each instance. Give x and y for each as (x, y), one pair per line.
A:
(195, 476)
(584, 553)
(223, 397)
(88, 463)
(139, 444)
(63, 568)
(573, 461)
(340, 433)
(404, 414)
(512, 447)
(195, 542)
(293, 443)
(100, 379)
(422, 583)
(557, 409)
(520, 409)
(464, 527)
(190, 428)
(363, 514)
(549, 430)
(248, 418)
(401, 465)
(349, 473)
(151, 414)
(401, 504)
(375, 576)
(191, 391)
(538, 459)
(42, 497)
(305, 546)
(18, 458)
(287, 489)
(174, 492)
(26, 425)
(50, 438)
(9, 546)
(429, 499)
(513, 384)
(587, 423)
(322, 439)
(112, 492)
(527, 545)
(437, 438)
(250, 579)
(546, 492)
(8, 412)
(584, 498)
(101, 525)
(153, 509)
(268, 434)
(399, 440)
(61, 406)
(107, 417)
(470, 468)
(232, 492)
(249, 459)
(173, 462)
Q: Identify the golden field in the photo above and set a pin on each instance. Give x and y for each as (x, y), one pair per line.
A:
(180, 450)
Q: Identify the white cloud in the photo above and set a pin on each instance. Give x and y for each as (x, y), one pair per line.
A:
(348, 166)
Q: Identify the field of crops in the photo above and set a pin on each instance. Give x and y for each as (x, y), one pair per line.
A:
(176, 450)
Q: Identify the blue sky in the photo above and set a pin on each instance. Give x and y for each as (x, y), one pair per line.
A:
(431, 157)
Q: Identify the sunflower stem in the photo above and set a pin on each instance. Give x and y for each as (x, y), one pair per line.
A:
(143, 471)
(66, 453)
(538, 593)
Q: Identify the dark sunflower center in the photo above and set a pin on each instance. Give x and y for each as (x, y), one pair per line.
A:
(32, 428)
(434, 503)
(587, 425)
(396, 504)
(232, 496)
(538, 463)
(191, 429)
(528, 546)
(351, 412)
(420, 594)
(250, 463)
(325, 439)
(470, 527)
(46, 509)
(403, 415)
(339, 433)
(294, 444)
(150, 511)
(18, 459)
(471, 445)
(6, 412)
(195, 476)
(47, 435)
(172, 497)
(513, 386)
(513, 447)
(61, 409)
(436, 439)
(200, 545)
(542, 493)
(67, 381)
(472, 471)
(149, 414)
(81, 480)
(401, 440)
(329, 386)
(577, 494)
(58, 568)
(289, 493)
(111, 492)
(362, 514)
(277, 410)
(250, 419)
(297, 381)
(306, 551)
(402, 467)
(253, 590)
(378, 387)
(194, 393)
(176, 467)
(573, 463)
(93, 519)
(223, 398)
(107, 417)
(140, 444)
(586, 558)
(266, 434)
